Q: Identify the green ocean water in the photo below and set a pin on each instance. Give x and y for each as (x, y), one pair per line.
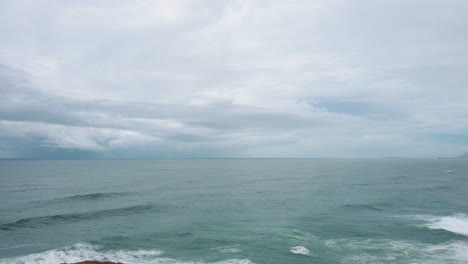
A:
(231, 211)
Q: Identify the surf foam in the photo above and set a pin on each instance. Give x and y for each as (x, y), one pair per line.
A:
(81, 252)
(456, 224)
(300, 250)
(371, 251)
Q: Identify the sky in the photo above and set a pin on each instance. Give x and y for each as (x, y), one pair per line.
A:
(233, 78)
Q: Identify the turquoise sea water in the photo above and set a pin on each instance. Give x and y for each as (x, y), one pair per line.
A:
(231, 211)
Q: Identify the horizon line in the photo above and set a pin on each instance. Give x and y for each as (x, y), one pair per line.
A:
(201, 158)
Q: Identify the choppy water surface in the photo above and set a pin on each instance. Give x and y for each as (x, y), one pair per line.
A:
(234, 211)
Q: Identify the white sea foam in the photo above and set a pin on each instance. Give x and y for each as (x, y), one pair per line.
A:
(301, 250)
(372, 251)
(82, 252)
(230, 250)
(456, 223)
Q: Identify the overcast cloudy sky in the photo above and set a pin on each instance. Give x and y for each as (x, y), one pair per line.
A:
(330, 78)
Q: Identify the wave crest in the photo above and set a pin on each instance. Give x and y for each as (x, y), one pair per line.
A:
(34, 222)
(457, 224)
(301, 250)
(81, 252)
(355, 207)
(89, 196)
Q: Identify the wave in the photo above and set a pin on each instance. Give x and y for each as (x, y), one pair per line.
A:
(27, 189)
(457, 224)
(22, 246)
(344, 251)
(440, 188)
(228, 249)
(373, 207)
(81, 252)
(399, 177)
(371, 251)
(34, 222)
(89, 197)
(300, 250)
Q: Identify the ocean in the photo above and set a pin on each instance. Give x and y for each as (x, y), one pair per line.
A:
(234, 211)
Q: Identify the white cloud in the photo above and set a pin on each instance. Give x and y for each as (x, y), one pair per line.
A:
(69, 137)
(242, 78)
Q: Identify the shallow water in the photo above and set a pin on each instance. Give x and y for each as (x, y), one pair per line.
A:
(234, 211)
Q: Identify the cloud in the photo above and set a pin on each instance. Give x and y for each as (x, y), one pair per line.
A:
(233, 78)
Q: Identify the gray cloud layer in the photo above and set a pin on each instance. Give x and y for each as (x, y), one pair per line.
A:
(233, 78)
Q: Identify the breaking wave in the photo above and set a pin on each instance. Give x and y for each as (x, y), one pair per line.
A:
(300, 250)
(81, 252)
(457, 224)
